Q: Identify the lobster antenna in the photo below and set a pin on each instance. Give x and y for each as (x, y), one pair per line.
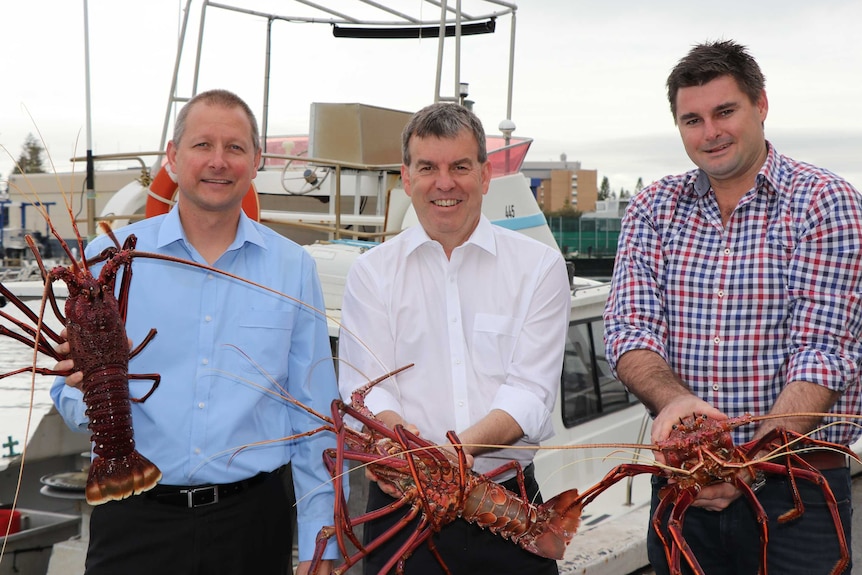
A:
(67, 202)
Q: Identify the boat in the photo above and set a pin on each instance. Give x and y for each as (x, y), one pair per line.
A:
(336, 190)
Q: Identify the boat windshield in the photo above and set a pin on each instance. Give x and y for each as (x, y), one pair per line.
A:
(506, 159)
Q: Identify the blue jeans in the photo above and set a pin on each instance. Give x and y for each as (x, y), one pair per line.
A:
(728, 542)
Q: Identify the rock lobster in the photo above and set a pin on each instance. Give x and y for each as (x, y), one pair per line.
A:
(95, 326)
(699, 451)
(436, 485)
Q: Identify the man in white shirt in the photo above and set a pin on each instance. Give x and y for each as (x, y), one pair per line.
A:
(481, 311)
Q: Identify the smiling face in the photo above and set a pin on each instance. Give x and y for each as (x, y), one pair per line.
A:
(446, 182)
(722, 131)
(215, 159)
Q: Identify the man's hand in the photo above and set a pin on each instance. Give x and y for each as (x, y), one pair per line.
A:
(390, 419)
(679, 408)
(716, 497)
(75, 378)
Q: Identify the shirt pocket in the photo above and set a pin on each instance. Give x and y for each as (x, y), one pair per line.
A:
(493, 343)
(265, 335)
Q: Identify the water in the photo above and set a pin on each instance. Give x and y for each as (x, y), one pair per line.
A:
(21, 391)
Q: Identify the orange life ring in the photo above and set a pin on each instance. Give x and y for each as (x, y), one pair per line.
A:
(163, 188)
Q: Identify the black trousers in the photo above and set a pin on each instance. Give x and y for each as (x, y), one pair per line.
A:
(250, 532)
(466, 548)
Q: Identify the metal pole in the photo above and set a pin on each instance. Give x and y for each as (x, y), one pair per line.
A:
(266, 71)
(91, 188)
(511, 68)
(440, 40)
(457, 90)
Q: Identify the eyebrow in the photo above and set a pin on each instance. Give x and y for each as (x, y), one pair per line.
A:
(464, 160)
(719, 108)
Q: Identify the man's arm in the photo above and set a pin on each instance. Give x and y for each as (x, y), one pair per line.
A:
(652, 380)
(800, 397)
(496, 428)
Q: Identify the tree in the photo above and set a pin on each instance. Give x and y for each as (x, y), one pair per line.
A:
(30, 160)
(639, 186)
(604, 189)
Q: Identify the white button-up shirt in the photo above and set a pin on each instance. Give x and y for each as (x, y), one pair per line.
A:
(485, 329)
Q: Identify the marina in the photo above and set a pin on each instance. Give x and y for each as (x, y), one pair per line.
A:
(335, 190)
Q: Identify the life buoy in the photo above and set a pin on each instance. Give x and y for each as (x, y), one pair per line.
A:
(160, 196)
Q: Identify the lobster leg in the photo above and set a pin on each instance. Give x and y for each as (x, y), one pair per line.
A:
(614, 475)
(679, 546)
(784, 441)
(817, 478)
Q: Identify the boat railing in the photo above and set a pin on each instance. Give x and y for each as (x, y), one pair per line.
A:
(303, 175)
(146, 175)
(312, 172)
(336, 222)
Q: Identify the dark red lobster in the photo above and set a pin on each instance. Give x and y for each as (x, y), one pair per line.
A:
(699, 451)
(95, 327)
(436, 486)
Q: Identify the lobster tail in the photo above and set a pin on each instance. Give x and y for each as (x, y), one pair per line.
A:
(557, 520)
(112, 479)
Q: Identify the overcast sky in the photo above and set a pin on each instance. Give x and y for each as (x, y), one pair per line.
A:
(589, 75)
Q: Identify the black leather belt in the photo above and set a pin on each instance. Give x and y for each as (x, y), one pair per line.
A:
(191, 496)
(824, 459)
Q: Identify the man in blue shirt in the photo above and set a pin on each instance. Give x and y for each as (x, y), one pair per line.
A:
(224, 350)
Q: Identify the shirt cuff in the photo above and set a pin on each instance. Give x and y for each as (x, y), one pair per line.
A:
(526, 409)
(307, 540)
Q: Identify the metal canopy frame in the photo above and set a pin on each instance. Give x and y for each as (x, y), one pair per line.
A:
(455, 18)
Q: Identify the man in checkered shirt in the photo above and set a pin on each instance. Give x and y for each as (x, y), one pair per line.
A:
(736, 289)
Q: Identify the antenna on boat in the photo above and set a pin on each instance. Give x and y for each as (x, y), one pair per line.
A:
(91, 188)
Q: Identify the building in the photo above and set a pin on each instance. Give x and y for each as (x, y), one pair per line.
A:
(20, 216)
(563, 183)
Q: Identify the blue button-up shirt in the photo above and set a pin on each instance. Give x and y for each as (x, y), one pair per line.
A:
(226, 351)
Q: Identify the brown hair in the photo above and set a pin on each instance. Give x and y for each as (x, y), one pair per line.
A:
(708, 61)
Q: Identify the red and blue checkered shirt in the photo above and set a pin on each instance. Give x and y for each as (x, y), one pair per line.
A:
(740, 310)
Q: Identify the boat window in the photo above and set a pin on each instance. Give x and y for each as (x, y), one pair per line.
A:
(589, 389)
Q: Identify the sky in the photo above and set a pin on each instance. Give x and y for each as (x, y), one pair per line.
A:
(589, 75)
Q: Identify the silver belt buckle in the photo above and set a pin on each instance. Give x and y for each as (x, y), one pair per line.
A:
(190, 493)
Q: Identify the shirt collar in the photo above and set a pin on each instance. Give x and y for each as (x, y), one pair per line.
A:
(171, 230)
(767, 178)
(482, 237)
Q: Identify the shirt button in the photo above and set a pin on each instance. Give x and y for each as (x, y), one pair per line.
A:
(457, 362)
(727, 251)
(716, 339)
(715, 387)
(205, 361)
(197, 450)
(720, 293)
(201, 405)
(208, 318)
(460, 404)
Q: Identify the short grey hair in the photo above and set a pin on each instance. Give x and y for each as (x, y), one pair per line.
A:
(443, 120)
(223, 98)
